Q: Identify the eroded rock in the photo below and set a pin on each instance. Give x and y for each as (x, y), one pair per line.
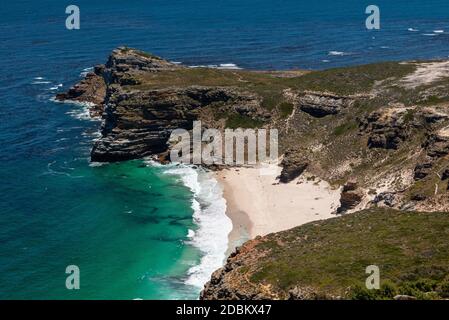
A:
(319, 104)
(90, 90)
(292, 167)
(351, 197)
(386, 128)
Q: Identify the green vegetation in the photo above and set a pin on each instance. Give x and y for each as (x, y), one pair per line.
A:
(357, 79)
(270, 85)
(411, 250)
(141, 53)
(285, 109)
(235, 121)
(345, 127)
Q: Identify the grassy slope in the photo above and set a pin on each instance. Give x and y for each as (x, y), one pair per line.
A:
(411, 250)
(269, 85)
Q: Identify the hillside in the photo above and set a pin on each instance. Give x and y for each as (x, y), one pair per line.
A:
(327, 260)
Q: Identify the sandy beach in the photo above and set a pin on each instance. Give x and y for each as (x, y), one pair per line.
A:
(259, 205)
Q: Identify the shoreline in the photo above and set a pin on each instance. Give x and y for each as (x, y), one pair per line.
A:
(258, 204)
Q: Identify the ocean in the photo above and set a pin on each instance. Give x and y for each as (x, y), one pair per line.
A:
(138, 230)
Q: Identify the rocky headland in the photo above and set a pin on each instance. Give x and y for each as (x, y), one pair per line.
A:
(378, 132)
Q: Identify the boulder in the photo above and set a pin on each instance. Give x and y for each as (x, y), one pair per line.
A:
(422, 170)
(351, 196)
(292, 167)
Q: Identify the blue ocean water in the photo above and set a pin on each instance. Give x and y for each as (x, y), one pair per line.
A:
(135, 229)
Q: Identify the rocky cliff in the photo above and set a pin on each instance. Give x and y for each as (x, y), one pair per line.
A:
(373, 125)
(378, 131)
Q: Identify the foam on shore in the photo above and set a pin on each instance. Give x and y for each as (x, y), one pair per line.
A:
(209, 214)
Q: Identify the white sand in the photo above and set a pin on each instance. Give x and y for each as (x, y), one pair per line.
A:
(426, 73)
(259, 205)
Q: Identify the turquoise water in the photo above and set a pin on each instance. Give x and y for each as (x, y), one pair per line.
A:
(137, 230)
(124, 225)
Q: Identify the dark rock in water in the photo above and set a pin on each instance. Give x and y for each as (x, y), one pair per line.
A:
(422, 170)
(292, 167)
(321, 104)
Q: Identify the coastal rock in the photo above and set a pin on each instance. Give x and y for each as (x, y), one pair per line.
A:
(289, 264)
(436, 147)
(139, 123)
(90, 90)
(319, 104)
(227, 284)
(432, 115)
(125, 64)
(292, 167)
(386, 128)
(351, 197)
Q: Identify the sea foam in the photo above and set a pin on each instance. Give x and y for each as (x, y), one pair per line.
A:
(221, 66)
(209, 214)
(337, 53)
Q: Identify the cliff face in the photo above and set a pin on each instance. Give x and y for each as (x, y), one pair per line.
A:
(364, 124)
(138, 118)
(328, 259)
(92, 90)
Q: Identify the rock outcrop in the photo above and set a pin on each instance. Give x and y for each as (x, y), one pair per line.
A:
(139, 124)
(319, 104)
(90, 90)
(387, 128)
(351, 197)
(293, 166)
(435, 147)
